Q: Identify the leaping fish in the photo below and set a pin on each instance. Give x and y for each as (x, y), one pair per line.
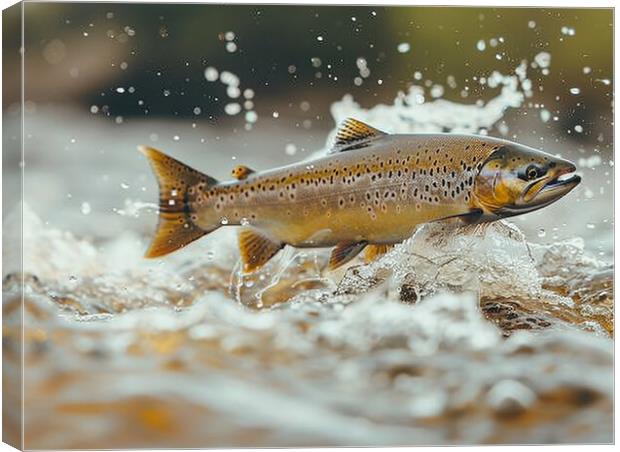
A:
(369, 192)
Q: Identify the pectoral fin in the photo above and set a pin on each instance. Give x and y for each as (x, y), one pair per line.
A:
(256, 249)
(344, 252)
(373, 252)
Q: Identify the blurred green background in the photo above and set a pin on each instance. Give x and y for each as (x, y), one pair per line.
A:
(80, 53)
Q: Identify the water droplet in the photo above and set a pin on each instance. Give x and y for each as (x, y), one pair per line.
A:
(232, 109)
(403, 47)
(85, 208)
(290, 149)
(211, 74)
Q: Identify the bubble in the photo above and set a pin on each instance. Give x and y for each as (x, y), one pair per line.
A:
(542, 233)
(248, 93)
(575, 91)
(481, 45)
(197, 110)
(531, 24)
(120, 90)
(231, 47)
(545, 115)
(166, 92)
(590, 225)
(578, 128)
(229, 35)
(316, 62)
(224, 220)
(94, 109)
(118, 120)
(85, 208)
(275, 114)
(176, 138)
(319, 38)
(587, 69)
(251, 117)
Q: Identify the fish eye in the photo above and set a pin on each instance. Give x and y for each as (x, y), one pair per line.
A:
(532, 172)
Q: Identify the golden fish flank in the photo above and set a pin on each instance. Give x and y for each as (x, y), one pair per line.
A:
(369, 192)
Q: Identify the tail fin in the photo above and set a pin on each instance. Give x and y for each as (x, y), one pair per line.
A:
(177, 184)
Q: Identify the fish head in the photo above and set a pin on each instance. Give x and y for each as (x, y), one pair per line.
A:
(517, 179)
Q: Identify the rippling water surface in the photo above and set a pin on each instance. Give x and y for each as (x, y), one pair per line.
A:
(457, 336)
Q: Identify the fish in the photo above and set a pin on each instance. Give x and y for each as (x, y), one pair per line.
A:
(368, 193)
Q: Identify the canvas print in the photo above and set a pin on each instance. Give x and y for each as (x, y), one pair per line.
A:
(306, 225)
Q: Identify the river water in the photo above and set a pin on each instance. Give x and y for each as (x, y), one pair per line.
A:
(500, 333)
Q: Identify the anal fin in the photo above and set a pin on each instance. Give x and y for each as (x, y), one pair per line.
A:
(256, 249)
(344, 252)
(373, 252)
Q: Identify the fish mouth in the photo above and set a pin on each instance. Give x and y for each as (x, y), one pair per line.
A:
(553, 189)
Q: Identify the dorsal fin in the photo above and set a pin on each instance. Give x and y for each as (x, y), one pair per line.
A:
(256, 249)
(354, 134)
(240, 172)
